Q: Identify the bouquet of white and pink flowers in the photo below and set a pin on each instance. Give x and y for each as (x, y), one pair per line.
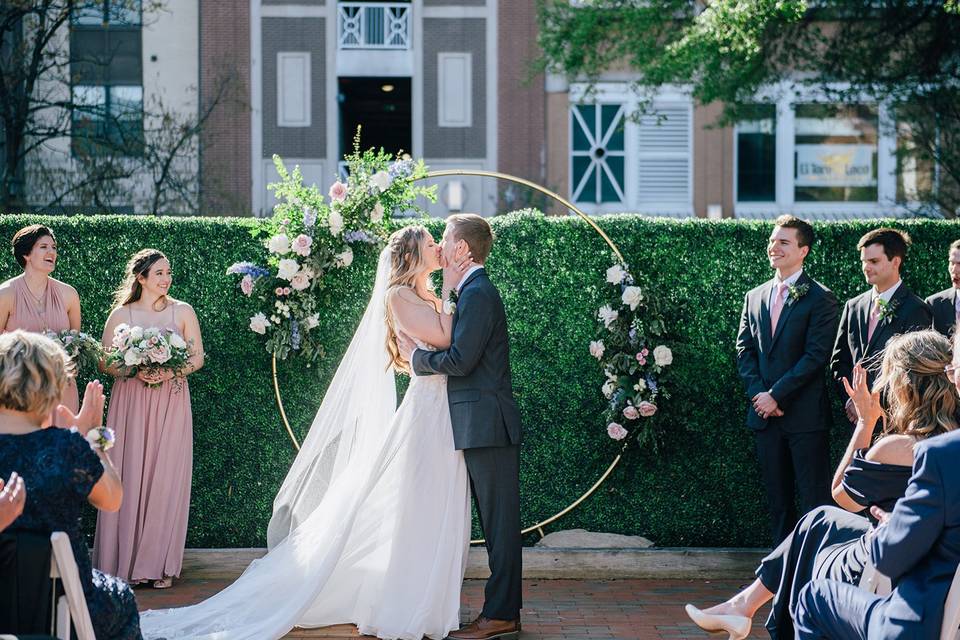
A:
(136, 349)
(82, 348)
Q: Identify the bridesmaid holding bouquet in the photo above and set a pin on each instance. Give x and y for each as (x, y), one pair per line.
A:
(33, 301)
(150, 413)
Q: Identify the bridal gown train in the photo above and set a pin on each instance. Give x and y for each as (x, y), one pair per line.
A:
(385, 548)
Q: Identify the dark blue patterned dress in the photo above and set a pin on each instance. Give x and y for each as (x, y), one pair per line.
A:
(59, 469)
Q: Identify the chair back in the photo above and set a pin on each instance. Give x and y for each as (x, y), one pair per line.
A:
(27, 603)
(72, 605)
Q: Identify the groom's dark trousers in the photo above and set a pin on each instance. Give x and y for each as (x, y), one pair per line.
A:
(790, 362)
(486, 426)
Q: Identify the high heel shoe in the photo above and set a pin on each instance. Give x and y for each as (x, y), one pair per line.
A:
(737, 626)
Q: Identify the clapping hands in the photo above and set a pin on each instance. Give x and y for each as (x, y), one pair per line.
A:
(91, 410)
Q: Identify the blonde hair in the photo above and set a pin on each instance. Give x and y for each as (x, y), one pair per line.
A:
(475, 231)
(34, 371)
(130, 290)
(921, 399)
(406, 263)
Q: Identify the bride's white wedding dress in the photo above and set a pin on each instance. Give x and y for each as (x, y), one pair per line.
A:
(372, 524)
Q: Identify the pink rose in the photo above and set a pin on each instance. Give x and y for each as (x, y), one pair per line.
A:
(644, 352)
(300, 281)
(641, 359)
(338, 191)
(278, 291)
(246, 285)
(301, 245)
(647, 409)
(616, 431)
(159, 354)
(286, 291)
(630, 412)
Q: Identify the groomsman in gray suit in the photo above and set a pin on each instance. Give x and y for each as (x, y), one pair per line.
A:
(946, 304)
(917, 547)
(786, 329)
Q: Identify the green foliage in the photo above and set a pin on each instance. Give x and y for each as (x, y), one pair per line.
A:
(701, 487)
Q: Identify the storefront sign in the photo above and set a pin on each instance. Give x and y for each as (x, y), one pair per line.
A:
(835, 165)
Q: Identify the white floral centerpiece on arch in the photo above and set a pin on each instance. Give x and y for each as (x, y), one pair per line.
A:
(631, 354)
(310, 235)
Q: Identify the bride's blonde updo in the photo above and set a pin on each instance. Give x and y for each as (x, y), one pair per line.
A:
(406, 264)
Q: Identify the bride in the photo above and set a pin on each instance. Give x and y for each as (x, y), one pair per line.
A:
(372, 523)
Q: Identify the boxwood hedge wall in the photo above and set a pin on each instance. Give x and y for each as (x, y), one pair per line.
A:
(700, 487)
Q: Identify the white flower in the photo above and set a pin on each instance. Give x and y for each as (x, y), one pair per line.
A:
(275, 319)
(335, 222)
(312, 321)
(132, 358)
(309, 217)
(381, 180)
(662, 356)
(607, 315)
(136, 334)
(608, 388)
(344, 259)
(259, 324)
(279, 243)
(641, 385)
(596, 349)
(300, 281)
(615, 274)
(631, 297)
(376, 215)
(287, 268)
(177, 342)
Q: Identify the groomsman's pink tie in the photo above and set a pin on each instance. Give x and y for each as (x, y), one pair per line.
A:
(777, 307)
(874, 319)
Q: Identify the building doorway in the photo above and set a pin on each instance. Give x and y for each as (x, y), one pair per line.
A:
(382, 108)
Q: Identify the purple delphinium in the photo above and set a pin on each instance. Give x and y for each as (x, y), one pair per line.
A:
(295, 335)
(651, 383)
(401, 169)
(359, 236)
(247, 269)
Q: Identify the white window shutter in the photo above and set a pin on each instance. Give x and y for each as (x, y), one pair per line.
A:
(455, 89)
(293, 89)
(664, 156)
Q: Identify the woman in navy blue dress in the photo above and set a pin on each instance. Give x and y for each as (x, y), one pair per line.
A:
(62, 467)
(831, 542)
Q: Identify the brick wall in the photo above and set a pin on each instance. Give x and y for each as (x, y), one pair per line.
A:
(225, 144)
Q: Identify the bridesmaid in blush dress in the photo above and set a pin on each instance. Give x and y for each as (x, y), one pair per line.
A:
(33, 301)
(144, 541)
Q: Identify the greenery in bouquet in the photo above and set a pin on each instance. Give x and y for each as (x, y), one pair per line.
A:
(135, 349)
(83, 349)
(310, 235)
(631, 354)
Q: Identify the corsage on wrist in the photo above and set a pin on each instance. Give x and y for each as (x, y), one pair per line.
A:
(101, 438)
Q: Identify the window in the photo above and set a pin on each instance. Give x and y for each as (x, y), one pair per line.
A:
(95, 13)
(598, 154)
(916, 169)
(757, 155)
(107, 119)
(663, 157)
(835, 153)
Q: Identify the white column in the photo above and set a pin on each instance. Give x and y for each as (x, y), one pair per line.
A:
(785, 148)
(256, 110)
(886, 156)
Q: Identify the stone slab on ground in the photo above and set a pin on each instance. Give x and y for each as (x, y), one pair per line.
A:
(583, 539)
(553, 609)
(546, 563)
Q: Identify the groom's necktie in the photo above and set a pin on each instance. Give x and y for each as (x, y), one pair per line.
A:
(777, 308)
(874, 319)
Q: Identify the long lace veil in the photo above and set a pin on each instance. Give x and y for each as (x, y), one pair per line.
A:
(351, 424)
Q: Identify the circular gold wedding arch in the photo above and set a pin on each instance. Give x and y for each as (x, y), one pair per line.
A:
(538, 527)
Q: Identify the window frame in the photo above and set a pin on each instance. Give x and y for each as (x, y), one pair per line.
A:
(105, 145)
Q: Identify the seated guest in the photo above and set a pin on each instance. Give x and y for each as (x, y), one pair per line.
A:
(917, 547)
(12, 497)
(832, 542)
(946, 304)
(64, 467)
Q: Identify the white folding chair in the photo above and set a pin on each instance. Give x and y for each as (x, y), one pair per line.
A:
(875, 582)
(73, 605)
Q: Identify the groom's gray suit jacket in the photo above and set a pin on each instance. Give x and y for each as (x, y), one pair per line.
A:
(479, 390)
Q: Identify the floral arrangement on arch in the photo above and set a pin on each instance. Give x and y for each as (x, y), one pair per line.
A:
(631, 355)
(310, 235)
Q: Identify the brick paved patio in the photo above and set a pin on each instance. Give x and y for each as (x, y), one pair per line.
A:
(553, 609)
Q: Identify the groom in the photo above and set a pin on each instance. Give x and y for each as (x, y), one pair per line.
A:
(486, 421)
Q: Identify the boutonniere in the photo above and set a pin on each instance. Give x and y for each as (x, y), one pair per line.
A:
(888, 309)
(450, 304)
(797, 291)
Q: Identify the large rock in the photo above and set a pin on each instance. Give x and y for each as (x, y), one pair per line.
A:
(583, 539)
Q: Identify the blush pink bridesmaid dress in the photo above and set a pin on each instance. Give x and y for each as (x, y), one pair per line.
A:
(46, 314)
(153, 454)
